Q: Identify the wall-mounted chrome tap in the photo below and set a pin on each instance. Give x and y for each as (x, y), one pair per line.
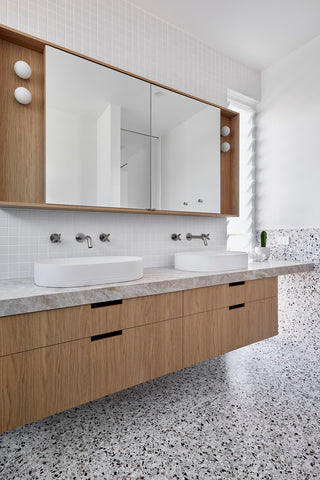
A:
(104, 237)
(204, 236)
(81, 237)
(55, 238)
(176, 236)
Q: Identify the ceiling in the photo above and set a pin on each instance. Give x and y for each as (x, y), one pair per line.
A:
(256, 33)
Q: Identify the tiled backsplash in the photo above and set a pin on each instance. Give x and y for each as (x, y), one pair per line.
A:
(24, 237)
(118, 33)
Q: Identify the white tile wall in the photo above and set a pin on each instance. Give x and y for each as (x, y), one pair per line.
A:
(125, 36)
(24, 237)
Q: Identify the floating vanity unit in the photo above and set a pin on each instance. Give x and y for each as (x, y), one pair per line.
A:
(63, 347)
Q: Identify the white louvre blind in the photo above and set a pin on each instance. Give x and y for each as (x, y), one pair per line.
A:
(241, 230)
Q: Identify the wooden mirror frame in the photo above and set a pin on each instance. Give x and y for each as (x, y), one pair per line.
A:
(22, 134)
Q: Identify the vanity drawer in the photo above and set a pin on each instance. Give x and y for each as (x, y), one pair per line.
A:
(42, 382)
(132, 312)
(212, 333)
(251, 322)
(132, 356)
(23, 332)
(39, 329)
(219, 296)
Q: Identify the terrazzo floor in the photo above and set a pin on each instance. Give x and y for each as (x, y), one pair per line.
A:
(249, 414)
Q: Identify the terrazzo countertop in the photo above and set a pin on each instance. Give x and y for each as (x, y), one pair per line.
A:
(23, 296)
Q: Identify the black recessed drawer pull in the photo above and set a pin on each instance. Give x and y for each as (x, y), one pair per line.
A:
(106, 335)
(106, 304)
(235, 284)
(240, 305)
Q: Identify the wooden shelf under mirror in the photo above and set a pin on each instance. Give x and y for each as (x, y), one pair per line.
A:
(22, 133)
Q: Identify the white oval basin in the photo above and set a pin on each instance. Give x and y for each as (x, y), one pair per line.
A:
(83, 271)
(210, 261)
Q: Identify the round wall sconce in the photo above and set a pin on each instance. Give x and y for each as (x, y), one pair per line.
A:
(22, 95)
(225, 147)
(225, 131)
(22, 69)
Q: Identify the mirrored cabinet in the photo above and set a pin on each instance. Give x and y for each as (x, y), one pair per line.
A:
(97, 134)
(97, 138)
(185, 153)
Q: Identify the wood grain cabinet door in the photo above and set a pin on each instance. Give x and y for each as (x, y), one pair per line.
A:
(202, 336)
(219, 296)
(107, 365)
(42, 382)
(153, 350)
(258, 320)
(208, 334)
(135, 355)
(133, 312)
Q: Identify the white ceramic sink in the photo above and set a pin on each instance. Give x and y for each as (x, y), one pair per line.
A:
(82, 271)
(211, 261)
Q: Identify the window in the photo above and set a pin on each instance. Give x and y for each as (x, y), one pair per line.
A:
(241, 230)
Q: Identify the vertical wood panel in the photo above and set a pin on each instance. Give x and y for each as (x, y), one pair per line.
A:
(200, 336)
(42, 382)
(153, 351)
(138, 355)
(136, 311)
(39, 329)
(219, 296)
(21, 128)
(208, 334)
(230, 167)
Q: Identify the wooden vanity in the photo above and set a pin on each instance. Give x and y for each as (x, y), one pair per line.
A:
(57, 359)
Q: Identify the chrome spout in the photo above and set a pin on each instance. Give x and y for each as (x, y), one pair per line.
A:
(204, 236)
(81, 237)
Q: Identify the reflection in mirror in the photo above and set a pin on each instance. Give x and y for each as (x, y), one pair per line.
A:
(135, 170)
(97, 134)
(185, 153)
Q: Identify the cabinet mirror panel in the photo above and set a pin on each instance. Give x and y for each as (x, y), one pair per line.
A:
(113, 140)
(97, 134)
(185, 153)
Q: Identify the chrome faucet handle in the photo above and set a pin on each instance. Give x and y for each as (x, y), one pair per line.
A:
(81, 237)
(104, 237)
(55, 238)
(176, 236)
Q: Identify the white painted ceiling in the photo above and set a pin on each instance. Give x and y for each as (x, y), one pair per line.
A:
(256, 33)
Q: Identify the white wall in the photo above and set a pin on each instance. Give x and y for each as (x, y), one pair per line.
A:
(125, 36)
(288, 147)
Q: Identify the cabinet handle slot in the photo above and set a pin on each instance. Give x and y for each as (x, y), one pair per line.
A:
(235, 284)
(240, 305)
(106, 304)
(116, 333)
